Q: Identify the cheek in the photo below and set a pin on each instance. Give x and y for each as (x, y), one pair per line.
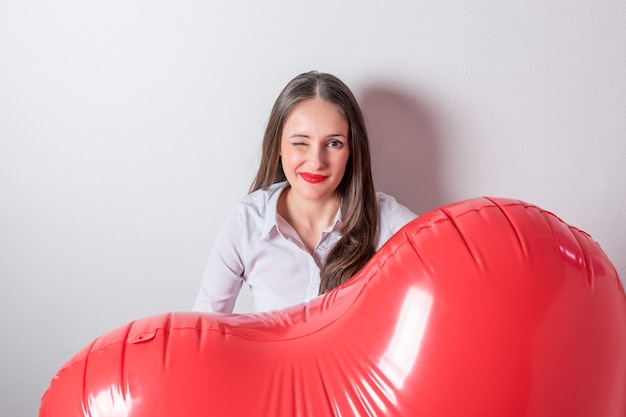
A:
(283, 153)
(290, 159)
(342, 160)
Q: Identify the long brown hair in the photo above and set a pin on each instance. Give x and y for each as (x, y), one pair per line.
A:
(359, 211)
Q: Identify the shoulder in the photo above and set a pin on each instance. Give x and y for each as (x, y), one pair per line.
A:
(256, 212)
(392, 214)
(387, 203)
(251, 217)
(260, 201)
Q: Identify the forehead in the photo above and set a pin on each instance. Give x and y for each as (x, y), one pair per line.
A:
(317, 114)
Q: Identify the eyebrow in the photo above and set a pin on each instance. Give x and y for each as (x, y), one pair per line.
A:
(332, 135)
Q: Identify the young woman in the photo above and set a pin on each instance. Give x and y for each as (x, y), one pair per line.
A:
(312, 218)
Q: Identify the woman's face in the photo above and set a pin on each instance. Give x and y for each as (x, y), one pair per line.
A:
(314, 149)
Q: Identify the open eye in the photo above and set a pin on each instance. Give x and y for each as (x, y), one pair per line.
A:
(335, 143)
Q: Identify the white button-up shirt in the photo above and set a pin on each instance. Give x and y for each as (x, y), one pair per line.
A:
(258, 247)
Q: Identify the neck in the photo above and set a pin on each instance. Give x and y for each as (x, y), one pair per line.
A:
(308, 214)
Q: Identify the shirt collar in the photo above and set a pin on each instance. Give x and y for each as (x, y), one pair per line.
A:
(271, 214)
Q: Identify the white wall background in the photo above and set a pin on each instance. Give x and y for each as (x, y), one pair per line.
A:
(129, 128)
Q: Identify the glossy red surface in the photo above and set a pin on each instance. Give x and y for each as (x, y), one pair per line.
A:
(488, 307)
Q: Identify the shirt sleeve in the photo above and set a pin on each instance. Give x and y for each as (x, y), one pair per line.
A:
(223, 276)
(393, 216)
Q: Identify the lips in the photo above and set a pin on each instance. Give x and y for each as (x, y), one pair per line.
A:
(312, 178)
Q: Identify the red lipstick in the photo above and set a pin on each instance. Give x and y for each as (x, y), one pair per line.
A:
(312, 178)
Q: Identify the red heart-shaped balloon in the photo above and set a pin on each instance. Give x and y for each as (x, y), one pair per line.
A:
(488, 307)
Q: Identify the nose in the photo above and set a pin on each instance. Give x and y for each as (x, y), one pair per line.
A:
(317, 156)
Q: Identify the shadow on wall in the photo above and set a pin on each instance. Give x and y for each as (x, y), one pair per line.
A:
(405, 147)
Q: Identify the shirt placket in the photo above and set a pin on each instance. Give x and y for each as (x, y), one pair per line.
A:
(319, 254)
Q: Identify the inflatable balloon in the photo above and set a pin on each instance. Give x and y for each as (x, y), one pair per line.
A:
(488, 307)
